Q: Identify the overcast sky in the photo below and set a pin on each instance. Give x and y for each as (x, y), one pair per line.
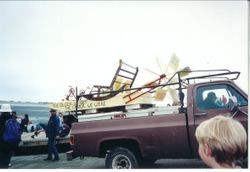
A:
(47, 46)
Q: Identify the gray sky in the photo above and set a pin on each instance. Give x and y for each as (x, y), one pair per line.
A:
(47, 46)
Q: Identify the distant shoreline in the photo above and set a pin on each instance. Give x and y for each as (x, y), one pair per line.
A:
(23, 102)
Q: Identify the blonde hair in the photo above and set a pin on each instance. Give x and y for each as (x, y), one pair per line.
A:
(225, 136)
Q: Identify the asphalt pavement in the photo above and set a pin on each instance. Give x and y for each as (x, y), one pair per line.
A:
(37, 162)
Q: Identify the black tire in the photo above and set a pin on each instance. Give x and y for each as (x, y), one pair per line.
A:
(121, 158)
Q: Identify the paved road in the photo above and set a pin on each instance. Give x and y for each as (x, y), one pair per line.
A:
(37, 162)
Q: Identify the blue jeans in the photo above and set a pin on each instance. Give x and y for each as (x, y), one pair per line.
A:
(52, 148)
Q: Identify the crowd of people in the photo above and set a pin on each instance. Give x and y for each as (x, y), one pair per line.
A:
(12, 127)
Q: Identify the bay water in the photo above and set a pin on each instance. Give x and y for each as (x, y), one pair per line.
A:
(38, 113)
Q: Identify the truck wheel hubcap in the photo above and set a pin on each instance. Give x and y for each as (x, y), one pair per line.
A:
(121, 161)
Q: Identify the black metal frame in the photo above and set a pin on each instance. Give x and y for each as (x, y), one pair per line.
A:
(220, 73)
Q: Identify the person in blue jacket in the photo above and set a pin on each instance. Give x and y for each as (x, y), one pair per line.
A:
(52, 131)
(6, 149)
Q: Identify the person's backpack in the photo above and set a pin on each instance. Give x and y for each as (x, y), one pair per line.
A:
(12, 132)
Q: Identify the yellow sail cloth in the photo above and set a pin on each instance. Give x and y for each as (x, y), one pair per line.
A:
(160, 94)
(118, 83)
(174, 63)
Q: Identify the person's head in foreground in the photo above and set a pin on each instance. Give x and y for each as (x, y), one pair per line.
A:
(222, 141)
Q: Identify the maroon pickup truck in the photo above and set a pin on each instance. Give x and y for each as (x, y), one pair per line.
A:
(129, 142)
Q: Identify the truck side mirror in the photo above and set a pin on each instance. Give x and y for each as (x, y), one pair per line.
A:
(233, 104)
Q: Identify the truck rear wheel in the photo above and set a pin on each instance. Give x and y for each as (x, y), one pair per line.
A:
(121, 158)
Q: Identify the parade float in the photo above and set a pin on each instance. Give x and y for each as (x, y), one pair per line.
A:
(104, 102)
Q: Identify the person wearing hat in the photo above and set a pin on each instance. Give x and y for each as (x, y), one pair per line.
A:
(5, 148)
(52, 131)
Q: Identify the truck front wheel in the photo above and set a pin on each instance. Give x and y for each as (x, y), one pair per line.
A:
(121, 158)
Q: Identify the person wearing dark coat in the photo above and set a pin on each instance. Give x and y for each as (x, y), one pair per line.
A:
(52, 131)
(210, 101)
(25, 122)
(6, 149)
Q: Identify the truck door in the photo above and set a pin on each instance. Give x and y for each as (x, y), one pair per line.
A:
(212, 100)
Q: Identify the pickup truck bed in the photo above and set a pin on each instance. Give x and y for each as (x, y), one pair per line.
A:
(151, 134)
